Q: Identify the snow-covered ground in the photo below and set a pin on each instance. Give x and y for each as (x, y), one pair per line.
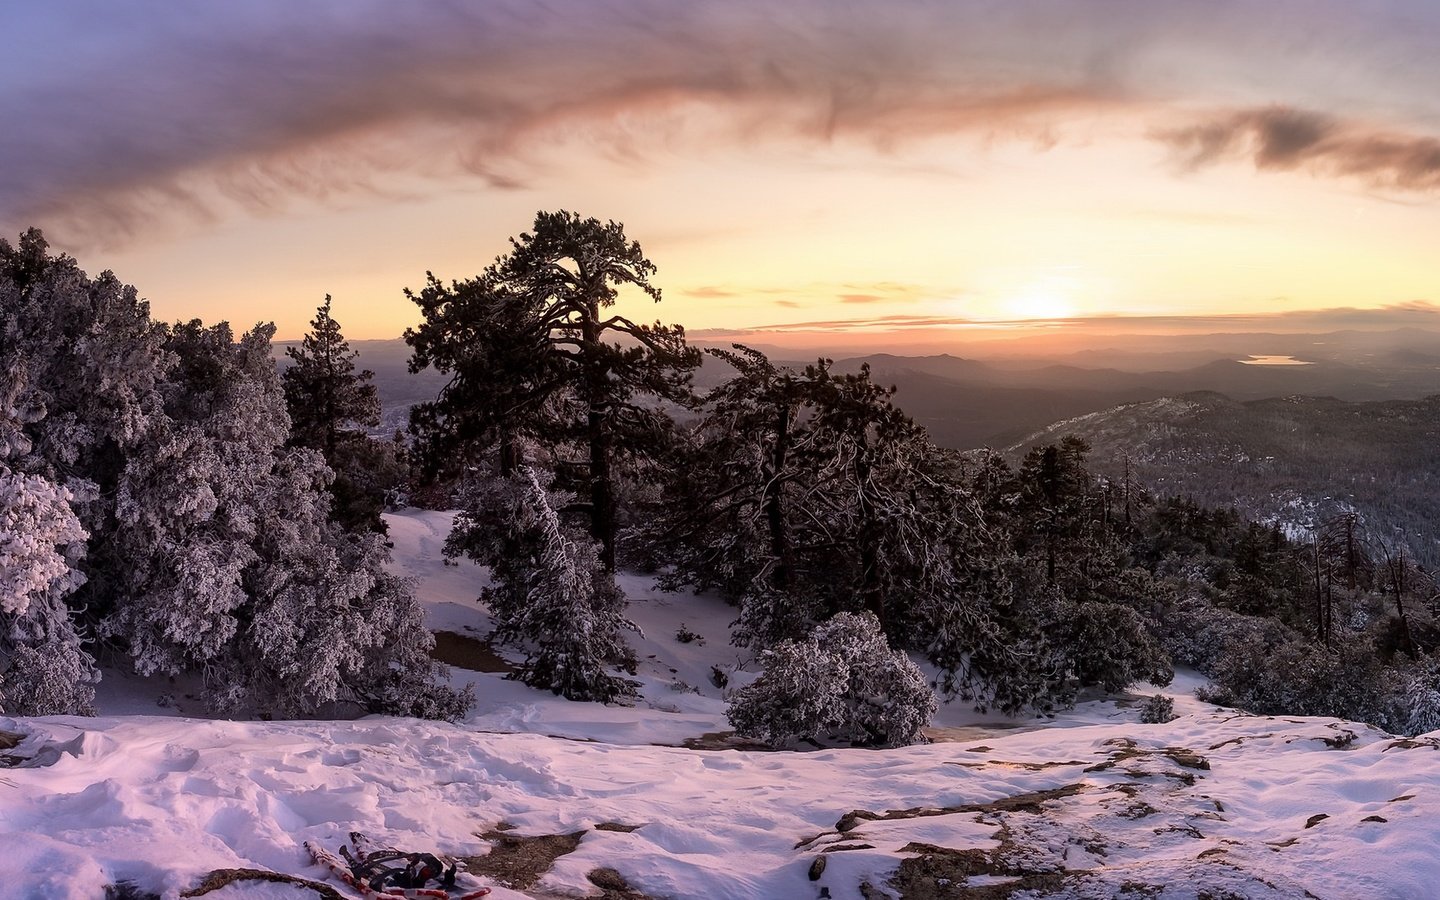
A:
(1089, 804)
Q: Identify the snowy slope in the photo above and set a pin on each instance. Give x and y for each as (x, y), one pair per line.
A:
(162, 801)
(1089, 804)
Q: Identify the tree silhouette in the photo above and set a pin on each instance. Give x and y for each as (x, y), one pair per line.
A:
(532, 352)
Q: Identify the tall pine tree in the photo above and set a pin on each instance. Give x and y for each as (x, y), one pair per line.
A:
(533, 350)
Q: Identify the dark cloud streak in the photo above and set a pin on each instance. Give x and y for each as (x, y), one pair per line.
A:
(1284, 139)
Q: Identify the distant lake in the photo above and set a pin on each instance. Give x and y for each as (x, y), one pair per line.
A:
(1274, 361)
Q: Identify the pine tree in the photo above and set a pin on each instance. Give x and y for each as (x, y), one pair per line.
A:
(326, 397)
(330, 404)
(727, 518)
(530, 343)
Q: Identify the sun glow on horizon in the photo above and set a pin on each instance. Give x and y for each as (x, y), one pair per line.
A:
(1051, 296)
(1040, 304)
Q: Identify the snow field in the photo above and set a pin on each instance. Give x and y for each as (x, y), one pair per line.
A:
(161, 801)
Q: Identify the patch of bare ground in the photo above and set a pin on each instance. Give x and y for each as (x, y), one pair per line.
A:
(1027, 766)
(1030, 802)
(1009, 868)
(722, 740)
(518, 861)
(220, 878)
(613, 886)
(1237, 741)
(955, 733)
(470, 653)
(9, 740)
(1411, 744)
(1127, 750)
(941, 873)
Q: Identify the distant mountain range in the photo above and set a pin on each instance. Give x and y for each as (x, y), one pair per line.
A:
(969, 403)
(997, 401)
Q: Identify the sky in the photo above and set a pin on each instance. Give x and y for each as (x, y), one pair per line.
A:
(865, 167)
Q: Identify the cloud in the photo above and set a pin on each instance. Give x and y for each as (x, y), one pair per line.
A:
(116, 116)
(1412, 314)
(113, 117)
(709, 292)
(1285, 139)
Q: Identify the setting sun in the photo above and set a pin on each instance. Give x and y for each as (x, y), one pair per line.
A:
(1040, 303)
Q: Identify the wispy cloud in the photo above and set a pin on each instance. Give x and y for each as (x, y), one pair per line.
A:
(708, 292)
(1412, 314)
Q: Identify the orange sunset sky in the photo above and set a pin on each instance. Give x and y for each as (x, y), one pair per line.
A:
(820, 165)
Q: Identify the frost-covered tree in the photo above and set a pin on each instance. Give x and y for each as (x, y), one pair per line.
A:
(86, 362)
(324, 621)
(210, 545)
(80, 361)
(843, 682)
(237, 568)
(189, 502)
(550, 594)
(533, 348)
(43, 669)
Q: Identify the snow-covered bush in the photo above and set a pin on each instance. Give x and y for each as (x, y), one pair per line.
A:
(1157, 710)
(549, 593)
(43, 670)
(843, 682)
(48, 678)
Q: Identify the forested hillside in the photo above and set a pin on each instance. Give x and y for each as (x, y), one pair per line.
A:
(1298, 461)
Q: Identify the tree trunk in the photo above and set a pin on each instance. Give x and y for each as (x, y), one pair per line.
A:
(510, 459)
(872, 590)
(783, 576)
(1397, 582)
(597, 401)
